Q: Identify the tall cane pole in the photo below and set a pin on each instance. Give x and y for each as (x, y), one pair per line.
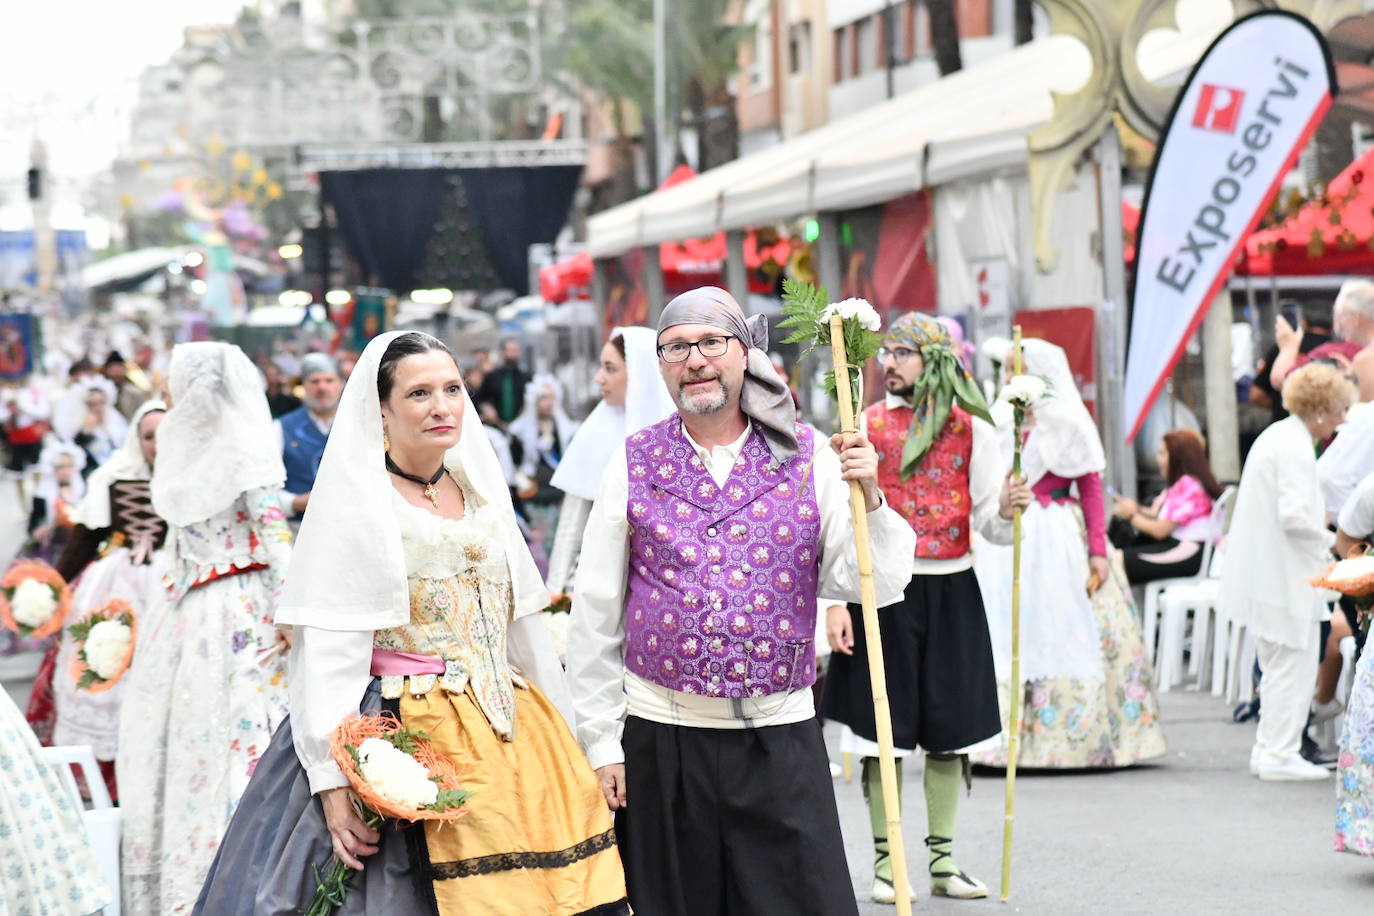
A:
(1014, 745)
(882, 715)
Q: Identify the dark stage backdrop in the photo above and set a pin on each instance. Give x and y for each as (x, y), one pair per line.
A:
(388, 216)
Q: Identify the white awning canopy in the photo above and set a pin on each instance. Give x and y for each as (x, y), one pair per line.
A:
(968, 123)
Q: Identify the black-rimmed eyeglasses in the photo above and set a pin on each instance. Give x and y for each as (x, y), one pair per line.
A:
(709, 347)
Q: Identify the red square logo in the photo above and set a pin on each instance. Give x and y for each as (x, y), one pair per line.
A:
(1218, 108)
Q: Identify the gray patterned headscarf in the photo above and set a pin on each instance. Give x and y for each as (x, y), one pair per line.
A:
(765, 397)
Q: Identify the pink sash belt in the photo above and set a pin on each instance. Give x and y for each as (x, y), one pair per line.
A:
(386, 663)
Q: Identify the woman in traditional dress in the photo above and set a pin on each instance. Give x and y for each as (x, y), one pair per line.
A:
(208, 681)
(633, 396)
(1086, 684)
(544, 432)
(56, 494)
(113, 548)
(412, 590)
(86, 417)
(48, 867)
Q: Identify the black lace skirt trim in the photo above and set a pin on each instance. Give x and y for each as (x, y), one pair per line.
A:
(509, 861)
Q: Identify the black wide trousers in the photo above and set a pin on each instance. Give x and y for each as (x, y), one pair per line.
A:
(724, 822)
(941, 684)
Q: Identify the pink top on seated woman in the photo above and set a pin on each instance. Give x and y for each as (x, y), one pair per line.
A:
(1166, 541)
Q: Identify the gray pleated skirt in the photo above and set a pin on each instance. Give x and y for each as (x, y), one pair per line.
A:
(277, 839)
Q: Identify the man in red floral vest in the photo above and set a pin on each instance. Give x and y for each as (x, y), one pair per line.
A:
(941, 470)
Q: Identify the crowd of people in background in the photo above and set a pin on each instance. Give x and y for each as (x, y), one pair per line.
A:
(177, 482)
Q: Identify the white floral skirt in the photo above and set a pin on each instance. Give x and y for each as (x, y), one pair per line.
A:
(201, 703)
(1087, 693)
(1355, 773)
(93, 718)
(46, 867)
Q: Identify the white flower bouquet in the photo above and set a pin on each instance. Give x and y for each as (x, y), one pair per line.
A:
(34, 599)
(397, 774)
(808, 310)
(1353, 577)
(104, 645)
(1024, 390)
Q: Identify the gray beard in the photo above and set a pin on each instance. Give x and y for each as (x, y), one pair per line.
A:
(702, 409)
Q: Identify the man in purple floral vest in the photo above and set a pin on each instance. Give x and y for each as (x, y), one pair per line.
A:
(691, 654)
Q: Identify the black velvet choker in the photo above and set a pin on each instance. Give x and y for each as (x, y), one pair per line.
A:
(430, 485)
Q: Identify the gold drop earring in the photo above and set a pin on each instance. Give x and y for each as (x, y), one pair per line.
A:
(386, 441)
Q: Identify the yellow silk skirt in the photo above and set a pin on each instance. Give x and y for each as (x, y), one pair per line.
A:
(538, 838)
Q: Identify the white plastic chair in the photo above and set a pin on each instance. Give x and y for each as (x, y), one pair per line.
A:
(103, 822)
(1150, 616)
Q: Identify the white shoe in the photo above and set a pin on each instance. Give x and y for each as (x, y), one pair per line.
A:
(884, 892)
(1295, 770)
(958, 887)
(1325, 712)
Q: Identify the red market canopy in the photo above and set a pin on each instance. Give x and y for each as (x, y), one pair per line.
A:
(692, 262)
(1330, 234)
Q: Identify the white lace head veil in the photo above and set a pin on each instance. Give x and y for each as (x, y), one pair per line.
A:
(603, 432)
(347, 568)
(217, 441)
(127, 463)
(1064, 440)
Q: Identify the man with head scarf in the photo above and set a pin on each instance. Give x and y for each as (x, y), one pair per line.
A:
(940, 467)
(691, 654)
(305, 430)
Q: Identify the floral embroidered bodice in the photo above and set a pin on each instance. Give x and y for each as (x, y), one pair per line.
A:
(250, 533)
(460, 606)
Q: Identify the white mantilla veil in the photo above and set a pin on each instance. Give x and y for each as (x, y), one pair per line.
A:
(604, 431)
(1064, 439)
(217, 441)
(127, 463)
(347, 569)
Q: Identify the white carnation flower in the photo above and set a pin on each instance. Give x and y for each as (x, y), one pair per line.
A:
(106, 644)
(395, 775)
(854, 308)
(33, 603)
(1353, 568)
(1024, 389)
(558, 625)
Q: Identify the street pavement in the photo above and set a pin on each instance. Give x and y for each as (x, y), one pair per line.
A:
(1190, 833)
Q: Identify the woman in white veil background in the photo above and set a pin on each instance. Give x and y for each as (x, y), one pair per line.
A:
(411, 590)
(542, 434)
(633, 396)
(1087, 688)
(207, 686)
(87, 417)
(112, 553)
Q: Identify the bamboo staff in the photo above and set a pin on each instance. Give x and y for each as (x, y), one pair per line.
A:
(1014, 745)
(882, 715)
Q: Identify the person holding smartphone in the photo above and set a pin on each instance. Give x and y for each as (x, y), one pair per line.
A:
(1298, 330)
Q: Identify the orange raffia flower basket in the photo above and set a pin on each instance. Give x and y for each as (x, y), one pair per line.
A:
(1357, 586)
(356, 729)
(42, 572)
(115, 609)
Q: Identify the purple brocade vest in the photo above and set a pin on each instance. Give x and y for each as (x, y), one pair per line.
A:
(722, 583)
